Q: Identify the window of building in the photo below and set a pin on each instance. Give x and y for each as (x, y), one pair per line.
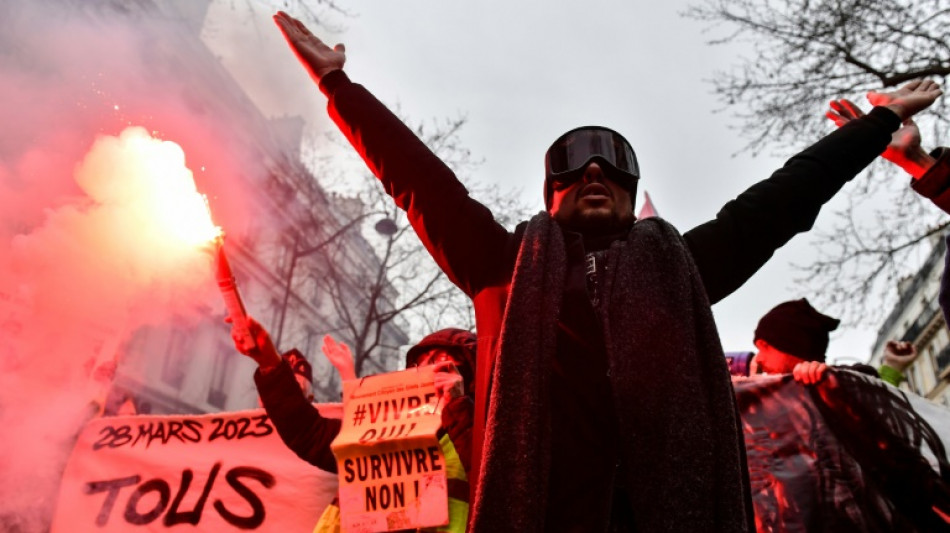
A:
(173, 371)
(932, 352)
(913, 378)
(220, 374)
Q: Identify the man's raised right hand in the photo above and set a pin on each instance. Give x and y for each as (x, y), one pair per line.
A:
(318, 58)
(909, 99)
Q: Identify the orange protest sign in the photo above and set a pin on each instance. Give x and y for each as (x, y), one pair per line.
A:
(391, 469)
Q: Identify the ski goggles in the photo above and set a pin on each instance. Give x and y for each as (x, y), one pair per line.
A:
(575, 149)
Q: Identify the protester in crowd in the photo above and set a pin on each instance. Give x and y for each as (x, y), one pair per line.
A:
(309, 434)
(792, 338)
(811, 469)
(302, 370)
(844, 453)
(454, 345)
(593, 329)
(789, 335)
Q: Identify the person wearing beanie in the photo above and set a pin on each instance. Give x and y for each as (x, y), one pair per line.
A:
(300, 425)
(792, 338)
(801, 442)
(790, 334)
(582, 314)
(303, 371)
(455, 345)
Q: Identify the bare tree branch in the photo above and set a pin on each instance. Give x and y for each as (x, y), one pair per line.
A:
(804, 53)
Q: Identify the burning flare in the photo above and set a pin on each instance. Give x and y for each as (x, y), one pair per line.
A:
(169, 207)
(232, 298)
(177, 212)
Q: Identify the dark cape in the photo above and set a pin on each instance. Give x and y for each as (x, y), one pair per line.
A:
(683, 457)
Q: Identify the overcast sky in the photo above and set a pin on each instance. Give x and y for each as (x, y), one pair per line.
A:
(523, 73)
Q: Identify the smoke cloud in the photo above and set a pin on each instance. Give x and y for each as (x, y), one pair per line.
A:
(87, 95)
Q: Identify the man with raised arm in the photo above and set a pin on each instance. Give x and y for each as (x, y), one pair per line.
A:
(602, 397)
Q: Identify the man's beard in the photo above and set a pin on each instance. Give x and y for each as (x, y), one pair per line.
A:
(597, 222)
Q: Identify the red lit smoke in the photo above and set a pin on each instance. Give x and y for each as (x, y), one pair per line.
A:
(80, 268)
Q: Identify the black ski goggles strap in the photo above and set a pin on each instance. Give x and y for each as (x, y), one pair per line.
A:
(574, 149)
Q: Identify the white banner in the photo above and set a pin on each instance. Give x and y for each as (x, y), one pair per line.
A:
(392, 469)
(216, 472)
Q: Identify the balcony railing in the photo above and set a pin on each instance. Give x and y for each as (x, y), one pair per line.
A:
(943, 361)
(934, 260)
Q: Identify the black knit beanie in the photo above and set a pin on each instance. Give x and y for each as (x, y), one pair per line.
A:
(796, 328)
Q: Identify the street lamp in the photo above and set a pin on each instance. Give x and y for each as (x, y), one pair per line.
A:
(385, 226)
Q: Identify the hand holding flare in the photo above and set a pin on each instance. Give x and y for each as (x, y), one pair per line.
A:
(245, 341)
(237, 314)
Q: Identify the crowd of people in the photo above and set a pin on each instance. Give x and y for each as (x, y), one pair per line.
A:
(595, 328)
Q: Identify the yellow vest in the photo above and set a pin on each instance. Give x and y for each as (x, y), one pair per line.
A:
(458, 497)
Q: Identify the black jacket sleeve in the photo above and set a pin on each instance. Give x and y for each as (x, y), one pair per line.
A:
(729, 249)
(460, 233)
(935, 183)
(299, 424)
